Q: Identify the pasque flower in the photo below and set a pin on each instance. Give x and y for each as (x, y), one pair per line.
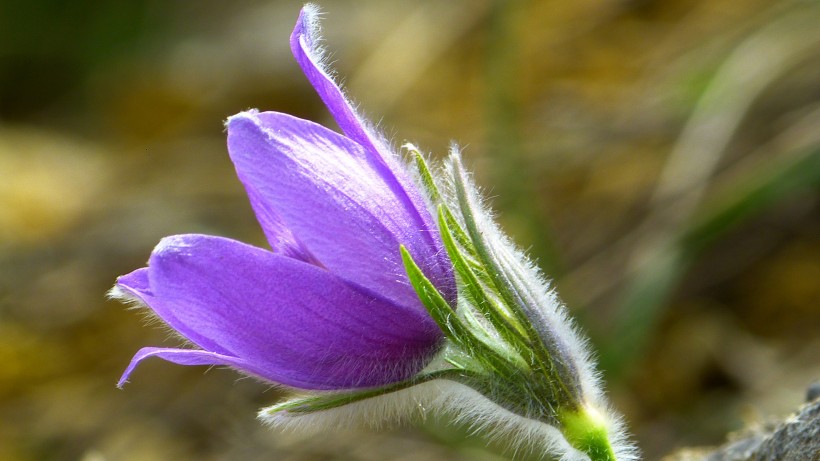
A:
(369, 307)
(329, 305)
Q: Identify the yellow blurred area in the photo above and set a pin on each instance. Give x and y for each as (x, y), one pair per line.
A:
(659, 159)
(47, 180)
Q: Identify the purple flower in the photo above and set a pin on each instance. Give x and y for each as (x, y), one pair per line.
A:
(330, 305)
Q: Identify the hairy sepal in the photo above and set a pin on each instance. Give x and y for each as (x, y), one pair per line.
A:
(552, 379)
(455, 402)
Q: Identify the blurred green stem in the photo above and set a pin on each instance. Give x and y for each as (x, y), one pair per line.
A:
(585, 430)
(759, 191)
(511, 174)
(677, 229)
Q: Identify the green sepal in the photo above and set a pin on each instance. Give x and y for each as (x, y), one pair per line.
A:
(507, 327)
(441, 312)
(450, 324)
(424, 173)
(508, 291)
(484, 254)
(447, 219)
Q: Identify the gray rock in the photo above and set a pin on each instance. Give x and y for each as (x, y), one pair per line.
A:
(797, 438)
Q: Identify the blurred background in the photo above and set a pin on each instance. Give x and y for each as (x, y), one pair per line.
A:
(660, 160)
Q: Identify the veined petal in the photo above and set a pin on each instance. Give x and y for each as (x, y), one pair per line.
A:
(320, 186)
(298, 324)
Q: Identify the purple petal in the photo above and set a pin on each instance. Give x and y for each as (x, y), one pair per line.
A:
(138, 286)
(303, 44)
(184, 357)
(319, 185)
(296, 323)
(281, 238)
(304, 47)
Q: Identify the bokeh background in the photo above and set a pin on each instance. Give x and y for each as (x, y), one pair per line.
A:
(660, 159)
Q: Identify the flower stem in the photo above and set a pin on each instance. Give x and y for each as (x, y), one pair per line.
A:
(586, 430)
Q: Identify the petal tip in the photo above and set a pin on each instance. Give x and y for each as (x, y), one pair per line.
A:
(173, 245)
(131, 365)
(250, 115)
(306, 36)
(118, 293)
(245, 114)
(133, 289)
(307, 24)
